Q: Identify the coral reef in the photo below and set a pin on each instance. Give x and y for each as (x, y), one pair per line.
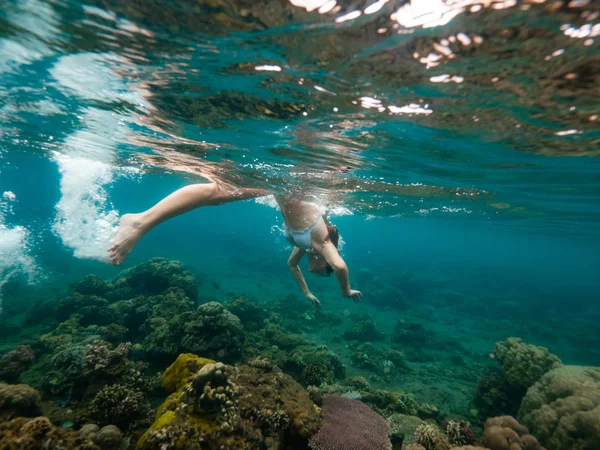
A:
(402, 428)
(102, 362)
(222, 406)
(458, 432)
(108, 437)
(520, 365)
(505, 433)
(39, 434)
(18, 400)
(384, 362)
(430, 437)
(350, 424)
(250, 313)
(363, 329)
(120, 405)
(563, 408)
(523, 364)
(13, 363)
(213, 331)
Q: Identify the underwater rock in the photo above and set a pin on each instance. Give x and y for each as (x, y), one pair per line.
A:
(523, 364)
(40, 434)
(19, 400)
(234, 408)
(250, 313)
(563, 408)
(415, 335)
(13, 363)
(350, 424)
(505, 433)
(363, 329)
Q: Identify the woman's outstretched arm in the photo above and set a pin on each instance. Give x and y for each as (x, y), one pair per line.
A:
(133, 226)
(333, 258)
(293, 261)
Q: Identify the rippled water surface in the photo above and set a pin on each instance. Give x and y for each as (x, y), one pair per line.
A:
(487, 108)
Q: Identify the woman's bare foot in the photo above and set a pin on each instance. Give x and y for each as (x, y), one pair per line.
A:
(129, 233)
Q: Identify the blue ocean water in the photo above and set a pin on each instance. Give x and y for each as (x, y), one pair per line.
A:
(454, 143)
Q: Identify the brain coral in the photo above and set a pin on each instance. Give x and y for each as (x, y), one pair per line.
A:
(523, 364)
(563, 408)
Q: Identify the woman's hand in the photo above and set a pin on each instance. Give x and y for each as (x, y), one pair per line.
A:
(314, 299)
(354, 295)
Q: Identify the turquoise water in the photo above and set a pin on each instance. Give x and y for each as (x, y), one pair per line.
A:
(456, 146)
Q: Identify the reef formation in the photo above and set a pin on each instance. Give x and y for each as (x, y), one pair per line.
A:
(142, 362)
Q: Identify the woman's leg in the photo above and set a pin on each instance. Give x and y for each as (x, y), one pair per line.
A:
(133, 226)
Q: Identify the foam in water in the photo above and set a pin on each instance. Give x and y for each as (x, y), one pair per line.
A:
(14, 247)
(85, 220)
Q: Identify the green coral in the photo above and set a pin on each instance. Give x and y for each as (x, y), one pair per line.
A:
(523, 364)
(402, 428)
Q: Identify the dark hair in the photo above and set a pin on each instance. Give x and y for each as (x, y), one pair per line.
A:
(333, 233)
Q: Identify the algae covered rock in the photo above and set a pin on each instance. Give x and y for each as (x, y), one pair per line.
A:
(182, 370)
(563, 408)
(222, 406)
(523, 364)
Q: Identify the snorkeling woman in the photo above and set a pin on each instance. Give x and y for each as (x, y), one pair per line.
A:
(306, 229)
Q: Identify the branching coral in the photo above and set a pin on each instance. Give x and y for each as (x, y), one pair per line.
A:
(102, 362)
(563, 408)
(458, 432)
(430, 437)
(120, 405)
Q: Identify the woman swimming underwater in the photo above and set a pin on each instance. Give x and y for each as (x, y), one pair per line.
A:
(306, 229)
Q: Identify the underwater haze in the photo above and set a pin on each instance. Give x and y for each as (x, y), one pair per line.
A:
(455, 144)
